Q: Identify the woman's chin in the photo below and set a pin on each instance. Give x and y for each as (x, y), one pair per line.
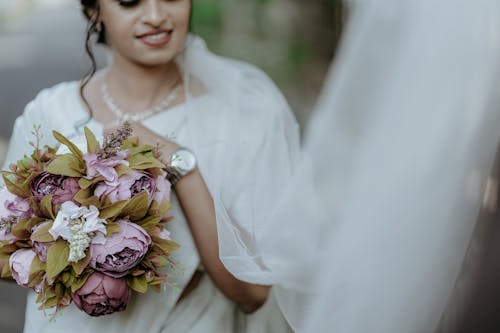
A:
(156, 58)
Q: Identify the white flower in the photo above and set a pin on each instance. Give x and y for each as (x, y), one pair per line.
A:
(80, 226)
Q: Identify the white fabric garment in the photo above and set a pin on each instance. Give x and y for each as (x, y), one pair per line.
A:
(229, 127)
(383, 205)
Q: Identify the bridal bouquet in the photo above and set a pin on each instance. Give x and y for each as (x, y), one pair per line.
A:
(87, 227)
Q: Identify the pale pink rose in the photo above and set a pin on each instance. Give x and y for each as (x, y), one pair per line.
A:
(67, 192)
(61, 188)
(102, 295)
(121, 251)
(105, 167)
(162, 189)
(19, 207)
(121, 190)
(20, 263)
(12, 208)
(131, 184)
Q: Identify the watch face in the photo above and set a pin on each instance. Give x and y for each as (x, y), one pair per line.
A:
(183, 161)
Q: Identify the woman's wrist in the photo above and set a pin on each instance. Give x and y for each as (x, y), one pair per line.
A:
(182, 163)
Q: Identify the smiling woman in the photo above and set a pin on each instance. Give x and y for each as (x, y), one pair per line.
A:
(227, 117)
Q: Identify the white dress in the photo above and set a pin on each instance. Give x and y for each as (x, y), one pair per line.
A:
(205, 309)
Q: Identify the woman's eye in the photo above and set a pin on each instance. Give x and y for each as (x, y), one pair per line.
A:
(128, 3)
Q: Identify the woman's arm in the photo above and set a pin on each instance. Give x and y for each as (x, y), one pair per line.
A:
(197, 204)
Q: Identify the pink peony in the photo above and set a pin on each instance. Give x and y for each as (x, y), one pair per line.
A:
(61, 188)
(102, 295)
(164, 234)
(131, 184)
(121, 251)
(40, 248)
(162, 189)
(20, 263)
(105, 167)
(12, 208)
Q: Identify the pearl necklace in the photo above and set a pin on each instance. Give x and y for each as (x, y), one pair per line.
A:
(137, 117)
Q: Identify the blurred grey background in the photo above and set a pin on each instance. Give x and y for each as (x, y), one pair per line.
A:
(41, 44)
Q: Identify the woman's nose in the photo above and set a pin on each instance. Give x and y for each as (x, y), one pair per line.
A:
(153, 13)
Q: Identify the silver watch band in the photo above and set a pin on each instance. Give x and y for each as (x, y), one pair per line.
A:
(181, 164)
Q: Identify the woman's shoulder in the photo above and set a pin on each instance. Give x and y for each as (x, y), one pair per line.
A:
(260, 98)
(54, 104)
(59, 95)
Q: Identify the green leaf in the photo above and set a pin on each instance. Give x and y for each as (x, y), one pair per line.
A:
(57, 258)
(5, 268)
(142, 162)
(67, 278)
(80, 266)
(66, 165)
(92, 143)
(112, 228)
(6, 248)
(49, 303)
(86, 183)
(42, 234)
(159, 209)
(80, 280)
(138, 283)
(137, 207)
(140, 149)
(149, 220)
(165, 207)
(166, 246)
(71, 146)
(123, 170)
(22, 229)
(36, 265)
(37, 272)
(85, 197)
(113, 210)
(13, 187)
(23, 164)
(46, 207)
(130, 143)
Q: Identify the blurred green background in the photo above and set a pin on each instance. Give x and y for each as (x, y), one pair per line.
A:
(292, 40)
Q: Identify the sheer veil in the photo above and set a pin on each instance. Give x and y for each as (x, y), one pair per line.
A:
(375, 224)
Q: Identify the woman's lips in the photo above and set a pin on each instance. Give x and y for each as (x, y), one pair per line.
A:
(157, 38)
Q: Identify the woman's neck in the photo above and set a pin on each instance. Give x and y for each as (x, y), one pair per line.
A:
(140, 87)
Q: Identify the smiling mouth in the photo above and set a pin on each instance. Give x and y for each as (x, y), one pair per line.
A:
(158, 38)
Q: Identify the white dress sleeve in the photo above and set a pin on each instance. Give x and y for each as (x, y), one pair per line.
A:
(34, 114)
(247, 146)
(261, 154)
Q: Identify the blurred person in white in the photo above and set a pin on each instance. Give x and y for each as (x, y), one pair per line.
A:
(234, 122)
(387, 197)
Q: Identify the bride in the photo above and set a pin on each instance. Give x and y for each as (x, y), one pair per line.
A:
(226, 117)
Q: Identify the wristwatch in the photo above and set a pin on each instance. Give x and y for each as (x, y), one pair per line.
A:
(182, 163)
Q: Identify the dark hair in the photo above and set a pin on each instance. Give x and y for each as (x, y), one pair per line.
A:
(91, 10)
